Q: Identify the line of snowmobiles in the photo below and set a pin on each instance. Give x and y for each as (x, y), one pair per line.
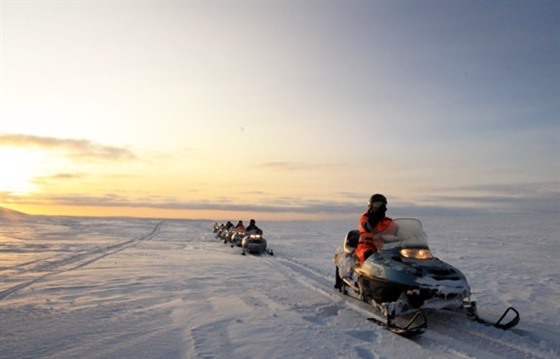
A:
(252, 242)
(403, 279)
(400, 282)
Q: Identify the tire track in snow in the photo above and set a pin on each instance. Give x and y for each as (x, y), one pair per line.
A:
(77, 261)
(443, 338)
(315, 280)
(24, 267)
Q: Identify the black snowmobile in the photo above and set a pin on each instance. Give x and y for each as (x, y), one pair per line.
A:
(403, 279)
(255, 243)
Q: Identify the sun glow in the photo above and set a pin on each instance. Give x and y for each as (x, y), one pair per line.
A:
(18, 167)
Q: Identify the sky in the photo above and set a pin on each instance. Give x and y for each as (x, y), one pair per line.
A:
(279, 110)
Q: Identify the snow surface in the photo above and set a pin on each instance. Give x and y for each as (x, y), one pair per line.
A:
(150, 288)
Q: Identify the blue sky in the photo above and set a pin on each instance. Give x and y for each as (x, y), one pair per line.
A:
(279, 109)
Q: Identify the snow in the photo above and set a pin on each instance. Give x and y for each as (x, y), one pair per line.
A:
(157, 288)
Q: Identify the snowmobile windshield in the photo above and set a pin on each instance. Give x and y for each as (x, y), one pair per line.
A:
(404, 233)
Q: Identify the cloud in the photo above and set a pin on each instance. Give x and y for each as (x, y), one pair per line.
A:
(534, 197)
(516, 190)
(284, 204)
(292, 166)
(44, 180)
(437, 205)
(78, 149)
(68, 176)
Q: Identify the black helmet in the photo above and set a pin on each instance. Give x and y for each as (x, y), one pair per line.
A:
(377, 203)
(377, 198)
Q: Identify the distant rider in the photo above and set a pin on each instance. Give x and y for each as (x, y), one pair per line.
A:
(371, 223)
(239, 227)
(252, 228)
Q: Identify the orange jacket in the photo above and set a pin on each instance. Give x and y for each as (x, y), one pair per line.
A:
(381, 226)
(367, 243)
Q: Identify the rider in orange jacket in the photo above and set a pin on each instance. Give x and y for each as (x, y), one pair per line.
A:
(239, 227)
(371, 223)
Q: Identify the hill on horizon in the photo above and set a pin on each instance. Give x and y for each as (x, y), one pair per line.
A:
(11, 215)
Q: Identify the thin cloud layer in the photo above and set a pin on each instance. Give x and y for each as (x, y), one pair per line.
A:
(78, 149)
(548, 202)
(292, 166)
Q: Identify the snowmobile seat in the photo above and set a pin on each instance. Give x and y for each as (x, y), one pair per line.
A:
(351, 241)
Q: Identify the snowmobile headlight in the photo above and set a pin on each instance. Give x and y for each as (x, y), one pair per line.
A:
(416, 253)
(255, 236)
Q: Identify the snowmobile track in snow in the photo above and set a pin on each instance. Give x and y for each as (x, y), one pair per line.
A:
(449, 334)
(445, 328)
(47, 268)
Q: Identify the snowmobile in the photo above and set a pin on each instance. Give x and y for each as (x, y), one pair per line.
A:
(221, 232)
(234, 237)
(403, 279)
(254, 243)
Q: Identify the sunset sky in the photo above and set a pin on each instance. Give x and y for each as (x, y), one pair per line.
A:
(279, 109)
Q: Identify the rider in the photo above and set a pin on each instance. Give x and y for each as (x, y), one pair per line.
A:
(253, 227)
(371, 223)
(239, 227)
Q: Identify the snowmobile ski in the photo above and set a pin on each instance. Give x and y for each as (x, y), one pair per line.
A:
(267, 251)
(472, 313)
(416, 325)
(406, 325)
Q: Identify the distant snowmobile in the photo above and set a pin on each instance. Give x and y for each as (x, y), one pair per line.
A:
(229, 235)
(222, 232)
(254, 243)
(403, 278)
(235, 238)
